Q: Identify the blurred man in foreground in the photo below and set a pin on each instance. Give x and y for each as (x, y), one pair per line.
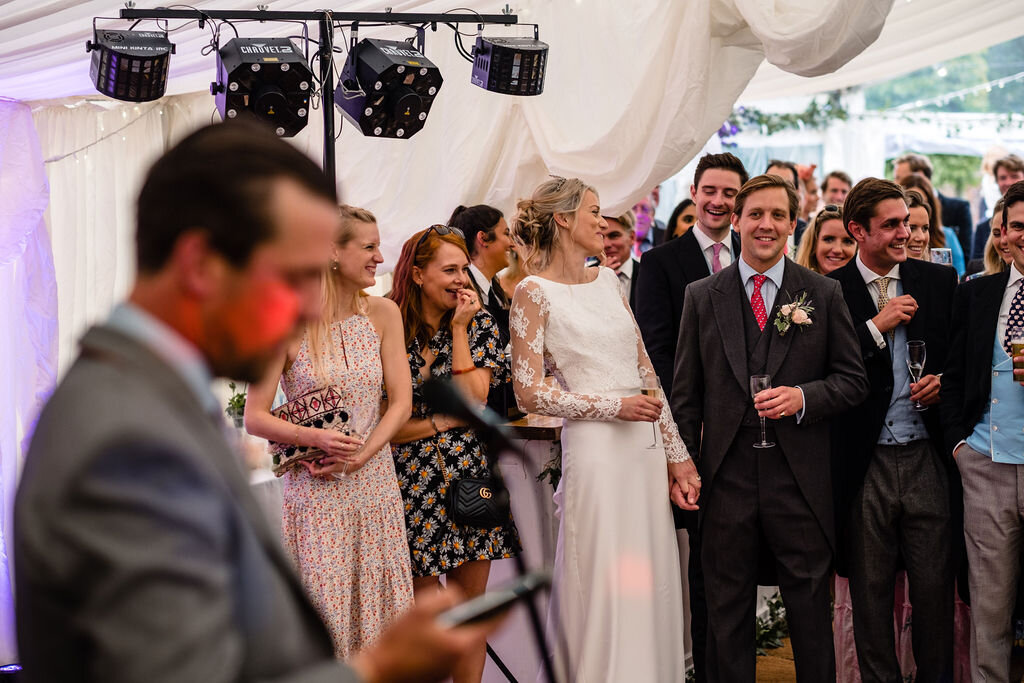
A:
(141, 554)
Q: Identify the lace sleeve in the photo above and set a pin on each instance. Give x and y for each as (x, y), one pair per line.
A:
(527, 323)
(675, 449)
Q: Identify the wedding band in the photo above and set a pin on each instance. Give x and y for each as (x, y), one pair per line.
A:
(698, 477)
(782, 414)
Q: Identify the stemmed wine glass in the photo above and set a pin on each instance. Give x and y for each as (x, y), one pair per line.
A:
(650, 387)
(915, 364)
(759, 383)
(358, 425)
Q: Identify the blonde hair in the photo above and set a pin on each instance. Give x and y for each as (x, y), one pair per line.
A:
(534, 228)
(319, 331)
(993, 260)
(807, 254)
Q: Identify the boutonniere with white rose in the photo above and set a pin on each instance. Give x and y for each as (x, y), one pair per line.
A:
(796, 312)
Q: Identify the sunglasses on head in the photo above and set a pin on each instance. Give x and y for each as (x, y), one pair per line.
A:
(440, 229)
(832, 208)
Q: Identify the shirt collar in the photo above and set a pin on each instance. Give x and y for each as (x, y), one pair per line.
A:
(870, 275)
(627, 268)
(774, 273)
(183, 357)
(706, 242)
(1015, 276)
(481, 280)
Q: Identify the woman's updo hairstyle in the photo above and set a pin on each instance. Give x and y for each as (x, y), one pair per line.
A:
(534, 230)
(475, 219)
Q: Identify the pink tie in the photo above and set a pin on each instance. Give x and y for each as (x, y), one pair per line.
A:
(757, 302)
(716, 264)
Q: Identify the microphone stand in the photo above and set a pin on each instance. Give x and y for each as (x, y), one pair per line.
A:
(445, 398)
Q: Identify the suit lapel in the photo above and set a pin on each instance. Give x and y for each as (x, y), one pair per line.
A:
(729, 317)
(855, 290)
(913, 285)
(985, 316)
(694, 266)
(792, 287)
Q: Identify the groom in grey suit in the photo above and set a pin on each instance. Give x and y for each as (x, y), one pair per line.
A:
(779, 496)
(141, 554)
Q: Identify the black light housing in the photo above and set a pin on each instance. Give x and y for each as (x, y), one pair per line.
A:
(267, 78)
(387, 88)
(130, 65)
(510, 66)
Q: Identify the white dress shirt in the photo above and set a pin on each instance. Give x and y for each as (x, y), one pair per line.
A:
(625, 275)
(483, 281)
(893, 291)
(707, 247)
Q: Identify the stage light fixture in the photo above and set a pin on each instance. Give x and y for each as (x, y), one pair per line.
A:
(130, 65)
(387, 87)
(510, 66)
(264, 77)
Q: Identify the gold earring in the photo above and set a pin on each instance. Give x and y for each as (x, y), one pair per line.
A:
(334, 265)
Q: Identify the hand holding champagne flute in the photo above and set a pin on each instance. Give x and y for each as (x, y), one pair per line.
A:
(916, 355)
(759, 383)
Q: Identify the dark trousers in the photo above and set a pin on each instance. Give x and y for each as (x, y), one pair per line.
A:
(754, 494)
(698, 607)
(902, 511)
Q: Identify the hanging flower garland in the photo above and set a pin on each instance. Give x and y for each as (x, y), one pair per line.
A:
(816, 117)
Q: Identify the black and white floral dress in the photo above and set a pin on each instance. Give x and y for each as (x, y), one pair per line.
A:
(436, 544)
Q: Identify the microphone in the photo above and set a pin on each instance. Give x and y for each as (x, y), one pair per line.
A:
(444, 397)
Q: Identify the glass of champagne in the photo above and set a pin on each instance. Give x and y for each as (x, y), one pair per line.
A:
(916, 354)
(759, 383)
(1016, 334)
(358, 425)
(650, 387)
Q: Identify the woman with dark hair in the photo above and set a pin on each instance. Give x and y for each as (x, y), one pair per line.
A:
(682, 219)
(447, 335)
(939, 235)
(488, 241)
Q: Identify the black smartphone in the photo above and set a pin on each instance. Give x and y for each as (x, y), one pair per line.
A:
(493, 603)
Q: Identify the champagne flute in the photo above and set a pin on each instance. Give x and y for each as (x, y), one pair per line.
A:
(358, 426)
(650, 387)
(916, 354)
(759, 383)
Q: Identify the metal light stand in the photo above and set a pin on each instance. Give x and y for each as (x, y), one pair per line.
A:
(325, 19)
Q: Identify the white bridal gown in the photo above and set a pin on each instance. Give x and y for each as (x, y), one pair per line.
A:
(617, 608)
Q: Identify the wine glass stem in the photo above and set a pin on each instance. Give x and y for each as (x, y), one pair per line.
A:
(764, 438)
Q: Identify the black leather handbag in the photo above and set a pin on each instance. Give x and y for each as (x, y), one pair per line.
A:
(474, 501)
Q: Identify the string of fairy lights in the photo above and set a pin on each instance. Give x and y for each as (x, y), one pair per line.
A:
(960, 94)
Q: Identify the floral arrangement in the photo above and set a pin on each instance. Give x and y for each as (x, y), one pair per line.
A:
(796, 312)
(236, 405)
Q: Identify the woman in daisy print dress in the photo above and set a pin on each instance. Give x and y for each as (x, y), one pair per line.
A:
(447, 335)
(342, 519)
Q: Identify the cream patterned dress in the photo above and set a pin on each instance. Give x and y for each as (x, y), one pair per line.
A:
(346, 537)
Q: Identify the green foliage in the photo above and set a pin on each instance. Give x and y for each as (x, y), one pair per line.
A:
(816, 116)
(771, 629)
(954, 173)
(968, 71)
(236, 404)
(552, 470)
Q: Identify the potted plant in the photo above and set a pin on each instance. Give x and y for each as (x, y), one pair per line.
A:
(236, 405)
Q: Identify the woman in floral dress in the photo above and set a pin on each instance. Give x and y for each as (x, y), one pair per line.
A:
(342, 521)
(446, 335)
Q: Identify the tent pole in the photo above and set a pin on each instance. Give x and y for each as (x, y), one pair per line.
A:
(327, 92)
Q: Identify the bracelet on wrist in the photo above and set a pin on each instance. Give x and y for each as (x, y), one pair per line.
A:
(434, 425)
(463, 371)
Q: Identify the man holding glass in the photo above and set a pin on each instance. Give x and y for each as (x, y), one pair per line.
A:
(892, 486)
(765, 315)
(982, 405)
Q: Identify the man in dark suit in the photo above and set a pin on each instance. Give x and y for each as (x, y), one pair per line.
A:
(1007, 171)
(141, 553)
(744, 321)
(956, 213)
(982, 405)
(709, 246)
(618, 234)
(893, 489)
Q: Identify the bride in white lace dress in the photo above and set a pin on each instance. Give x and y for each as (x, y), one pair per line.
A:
(616, 610)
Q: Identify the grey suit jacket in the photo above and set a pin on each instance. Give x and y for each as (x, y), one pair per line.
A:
(711, 387)
(141, 554)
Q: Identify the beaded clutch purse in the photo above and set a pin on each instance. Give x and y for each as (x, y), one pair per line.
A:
(320, 408)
